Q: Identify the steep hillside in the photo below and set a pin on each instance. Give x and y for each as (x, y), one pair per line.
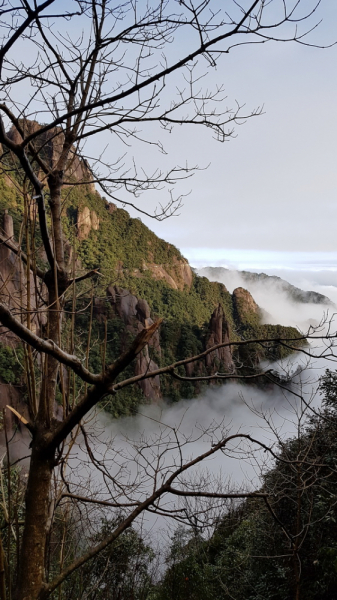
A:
(269, 282)
(140, 277)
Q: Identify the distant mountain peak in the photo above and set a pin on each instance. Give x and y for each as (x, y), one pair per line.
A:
(250, 279)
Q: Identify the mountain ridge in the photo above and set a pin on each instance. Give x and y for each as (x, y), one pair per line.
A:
(296, 294)
(140, 277)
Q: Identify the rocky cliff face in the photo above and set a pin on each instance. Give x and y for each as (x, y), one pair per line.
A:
(87, 220)
(245, 306)
(177, 274)
(51, 143)
(221, 359)
(135, 313)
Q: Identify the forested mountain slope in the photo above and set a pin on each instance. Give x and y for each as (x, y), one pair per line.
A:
(281, 549)
(140, 277)
(269, 282)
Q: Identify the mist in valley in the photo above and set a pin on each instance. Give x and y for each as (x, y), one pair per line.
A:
(146, 447)
(140, 450)
(277, 304)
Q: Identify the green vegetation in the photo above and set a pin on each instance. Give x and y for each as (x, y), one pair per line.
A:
(127, 253)
(11, 364)
(253, 553)
(121, 572)
(256, 555)
(120, 243)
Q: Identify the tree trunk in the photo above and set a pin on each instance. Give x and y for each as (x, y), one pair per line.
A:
(55, 182)
(31, 574)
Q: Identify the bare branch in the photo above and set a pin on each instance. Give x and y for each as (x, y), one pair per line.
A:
(46, 346)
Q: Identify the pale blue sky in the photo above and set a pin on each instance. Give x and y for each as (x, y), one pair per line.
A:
(269, 196)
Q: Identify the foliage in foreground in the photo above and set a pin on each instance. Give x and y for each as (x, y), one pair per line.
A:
(282, 550)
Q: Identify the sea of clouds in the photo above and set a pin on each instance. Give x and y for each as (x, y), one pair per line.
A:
(143, 447)
(141, 450)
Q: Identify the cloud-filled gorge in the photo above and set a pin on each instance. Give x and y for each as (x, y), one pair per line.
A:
(143, 448)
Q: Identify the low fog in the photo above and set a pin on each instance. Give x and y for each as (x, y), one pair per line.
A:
(143, 447)
(139, 449)
(277, 304)
(271, 416)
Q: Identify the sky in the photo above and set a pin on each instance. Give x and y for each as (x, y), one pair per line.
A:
(268, 199)
(265, 199)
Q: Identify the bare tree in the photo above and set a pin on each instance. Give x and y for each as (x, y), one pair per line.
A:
(70, 75)
(258, 546)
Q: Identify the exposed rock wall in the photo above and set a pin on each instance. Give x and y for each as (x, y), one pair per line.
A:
(86, 221)
(245, 306)
(135, 313)
(51, 143)
(177, 275)
(219, 334)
